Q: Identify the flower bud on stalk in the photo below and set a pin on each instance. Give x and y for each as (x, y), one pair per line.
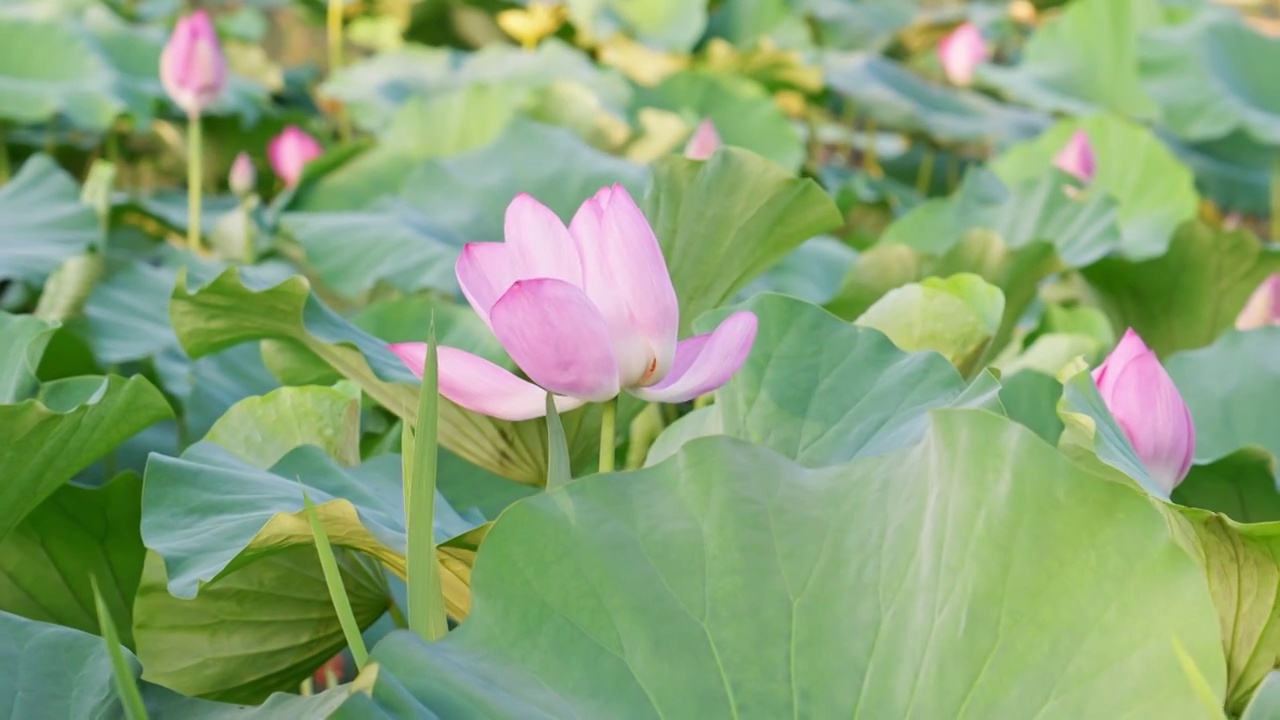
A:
(243, 176)
(1146, 404)
(192, 68)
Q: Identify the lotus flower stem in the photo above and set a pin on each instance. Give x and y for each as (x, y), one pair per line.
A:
(924, 177)
(1275, 200)
(195, 157)
(608, 428)
(4, 153)
(334, 29)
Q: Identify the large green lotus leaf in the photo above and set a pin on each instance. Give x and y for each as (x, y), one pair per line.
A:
(956, 317)
(1208, 76)
(1231, 387)
(437, 125)
(744, 114)
(1234, 171)
(66, 673)
(77, 534)
(812, 272)
(261, 430)
(209, 512)
(46, 440)
(1242, 564)
(466, 193)
(373, 89)
(1153, 192)
(240, 305)
(724, 221)
(899, 99)
(209, 386)
(51, 69)
(125, 317)
(1082, 228)
(42, 221)
(822, 391)
(1016, 269)
(354, 250)
(1084, 60)
(730, 581)
(660, 23)
(262, 627)
(1030, 397)
(25, 340)
(1186, 298)
(860, 25)
(1241, 486)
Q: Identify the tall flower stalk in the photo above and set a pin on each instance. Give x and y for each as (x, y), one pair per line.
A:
(193, 72)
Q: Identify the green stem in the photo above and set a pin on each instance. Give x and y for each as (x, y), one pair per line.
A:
(334, 28)
(427, 616)
(608, 428)
(1275, 200)
(924, 178)
(397, 615)
(333, 579)
(4, 153)
(195, 156)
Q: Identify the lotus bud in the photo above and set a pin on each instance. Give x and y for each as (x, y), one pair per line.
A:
(961, 52)
(704, 143)
(1263, 308)
(290, 151)
(1148, 408)
(243, 176)
(192, 68)
(1076, 157)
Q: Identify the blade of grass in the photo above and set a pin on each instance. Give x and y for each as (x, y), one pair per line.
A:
(426, 599)
(558, 472)
(126, 686)
(333, 579)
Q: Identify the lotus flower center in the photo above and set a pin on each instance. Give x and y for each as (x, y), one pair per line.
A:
(649, 372)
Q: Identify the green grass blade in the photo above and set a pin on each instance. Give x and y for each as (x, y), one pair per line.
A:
(558, 471)
(333, 579)
(126, 686)
(426, 599)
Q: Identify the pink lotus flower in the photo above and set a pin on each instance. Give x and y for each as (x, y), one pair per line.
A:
(290, 151)
(1263, 308)
(1076, 157)
(1147, 406)
(585, 312)
(243, 176)
(961, 52)
(192, 69)
(704, 143)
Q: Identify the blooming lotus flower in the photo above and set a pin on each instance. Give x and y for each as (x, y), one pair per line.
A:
(192, 68)
(290, 151)
(1263, 308)
(1076, 157)
(704, 143)
(243, 176)
(1147, 406)
(585, 312)
(961, 52)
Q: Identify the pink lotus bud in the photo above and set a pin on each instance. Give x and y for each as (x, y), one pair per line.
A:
(704, 143)
(1263, 308)
(243, 176)
(586, 311)
(1076, 157)
(961, 52)
(192, 68)
(1147, 406)
(290, 151)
